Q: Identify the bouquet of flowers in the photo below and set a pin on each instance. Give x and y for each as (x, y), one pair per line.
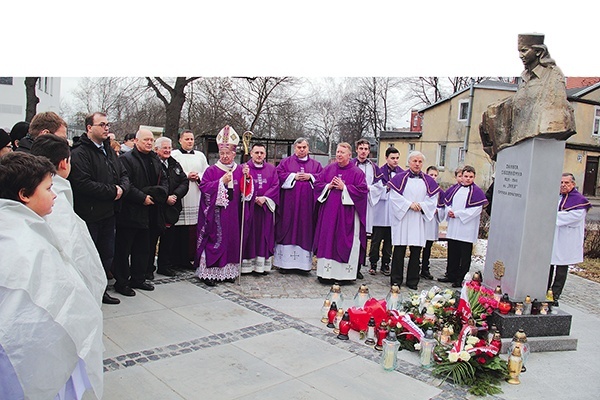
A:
(476, 302)
(472, 362)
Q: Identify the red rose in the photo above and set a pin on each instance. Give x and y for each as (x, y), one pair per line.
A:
(410, 337)
(419, 320)
(481, 360)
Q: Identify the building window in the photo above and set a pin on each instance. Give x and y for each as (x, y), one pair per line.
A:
(391, 145)
(596, 129)
(416, 120)
(441, 155)
(6, 80)
(461, 155)
(463, 110)
(411, 147)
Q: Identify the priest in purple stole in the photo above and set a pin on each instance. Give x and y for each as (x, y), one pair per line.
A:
(413, 201)
(259, 225)
(340, 235)
(294, 227)
(568, 234)
(218, 244)
(464, 203)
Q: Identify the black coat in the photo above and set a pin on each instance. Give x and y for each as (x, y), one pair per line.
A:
(94, 177)
(179, 186)
(134, 214)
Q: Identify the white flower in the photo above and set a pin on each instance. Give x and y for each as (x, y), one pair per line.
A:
(451, 302)
(472, 339)
(464, 356)
(453, 357)
(417, 346)
(451, 329)
(468, 347)
(415, 302)
(398, 325)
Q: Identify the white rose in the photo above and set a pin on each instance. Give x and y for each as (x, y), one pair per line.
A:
(417, 346)
(453, 357)
(464, 356)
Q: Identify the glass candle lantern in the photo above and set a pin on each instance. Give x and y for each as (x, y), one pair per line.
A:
(344, 327)
(370, 332)
(427, 345)
(394, 298)
(361, 296)
(389, 357)
(520, 340)
(527, 305)
(325, 311)
(331, 315)
(335, 295)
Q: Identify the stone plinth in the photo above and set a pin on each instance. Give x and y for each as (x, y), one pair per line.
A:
(534, 325)
(545, 343)
(524, 207)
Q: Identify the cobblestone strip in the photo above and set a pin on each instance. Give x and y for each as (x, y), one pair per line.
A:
(177, 349)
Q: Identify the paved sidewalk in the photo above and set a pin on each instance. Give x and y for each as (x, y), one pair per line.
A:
(263, 339)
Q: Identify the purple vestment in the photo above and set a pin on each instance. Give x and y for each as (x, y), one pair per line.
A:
(334, 232)
(386, 171)
(295, 222)
(573, 201)
(218, 226)
(398, 182)
(475, 198)
(259, 225)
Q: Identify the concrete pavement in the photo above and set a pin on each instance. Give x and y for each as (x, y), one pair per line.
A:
(263, 339)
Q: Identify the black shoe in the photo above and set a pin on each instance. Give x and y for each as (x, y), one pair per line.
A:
(209, 282)
(143, 286)
(456, 284)
(445, 279)
(283, 271)
(108, 299)
(413, 287)
(166, 272)
(149, 276)
(125, 290)
(359, 275)
(230, 280)
(426, 275)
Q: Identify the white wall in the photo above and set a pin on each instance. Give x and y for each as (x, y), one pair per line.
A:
(12, 99)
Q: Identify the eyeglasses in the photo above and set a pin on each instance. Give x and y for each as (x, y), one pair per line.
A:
(103, 125)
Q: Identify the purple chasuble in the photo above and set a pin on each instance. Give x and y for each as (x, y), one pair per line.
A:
(573, 201)
(398, 182)
(475, 198)
(218, 226)
(259, 225)
(334, 233)
(295, 221)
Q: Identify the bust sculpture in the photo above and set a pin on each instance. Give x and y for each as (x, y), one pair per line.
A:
(538, 109)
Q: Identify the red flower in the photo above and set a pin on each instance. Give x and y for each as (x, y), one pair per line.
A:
(410, 337)
(419, 320)
(483, 316)
(481, 360)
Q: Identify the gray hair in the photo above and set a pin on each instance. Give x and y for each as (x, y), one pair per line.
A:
(300, 140)
(415, 153)
(158, 142)
(569, 175)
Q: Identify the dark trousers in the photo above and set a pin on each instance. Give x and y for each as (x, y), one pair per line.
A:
(153, 234)
(425, 256)
(412, 272)
(557, 279)
(381, 234)
(166, 248)
(459, 259)
(131, 244)
(184, 245)
(103, 235)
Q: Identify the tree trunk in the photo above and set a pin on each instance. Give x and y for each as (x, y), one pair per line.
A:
(31, 97)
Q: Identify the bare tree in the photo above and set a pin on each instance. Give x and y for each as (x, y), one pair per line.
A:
(31, 98)
(256, 95)
(376, 95)
(173, 104)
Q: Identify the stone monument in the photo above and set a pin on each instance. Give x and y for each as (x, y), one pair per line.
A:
(526, 136)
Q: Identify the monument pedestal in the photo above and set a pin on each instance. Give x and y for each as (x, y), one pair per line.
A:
(524, 207)
(519, 250)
